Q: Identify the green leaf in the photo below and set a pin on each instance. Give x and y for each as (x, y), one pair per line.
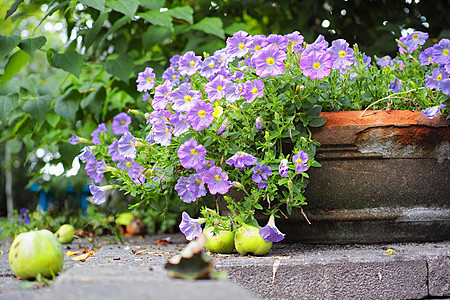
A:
(13, 8)
(158, 18)
(38, 108)
(154, 35)
(91, 35)
(317, 122)
(126, 7)
(52, 119)
(120, 67)
(7, 104)
(7, 43)
(15, 63)
(94, 102)
(67, 105)
(212, 26)
(97, 4)
(235, 27)
(152, 4)
(314, 111)
(31, 45)
(184, 13)
(69, 61)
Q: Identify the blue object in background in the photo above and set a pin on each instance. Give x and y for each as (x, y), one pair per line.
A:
(46, 198)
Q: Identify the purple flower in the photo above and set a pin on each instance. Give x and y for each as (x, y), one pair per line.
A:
(95, 169)
(385, 61)
(192, 155)
(126, 165)
(101, 128)
(434, 81)
(316, 65)
(269, 61)
(146, 80)
(259, 123)
(441, 52)
(189, 63)
(252, 90)
(238, 45)
(174, 60)
(283, 168)
(214, 88)
(127, 145)
(300, 160)
(180, 123)
(233, 91)
(210, 67)
(319, 45)
(278, 41)
(74, 139)
(260, 173)
(270, 232)
(432, 112)
(98, 193)
(222, 127)
(172, 75)
(196, 185)
(341, 55)
(183, 97)
(191, 228)
(162, 95)
(183, 192)
(445, 85)
(162, 133)
(294, 40)
(113, 150)
(426, 57)
(120, 123)
(217, 181)
(414, 39)
(86, 154)
(158, 116)
(396, 85)
(200, 116)
(26, 218)
(145, 97)
(241, 160)
(137, 174)
(259, 42)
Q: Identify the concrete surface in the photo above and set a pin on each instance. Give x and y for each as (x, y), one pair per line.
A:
(135, 270)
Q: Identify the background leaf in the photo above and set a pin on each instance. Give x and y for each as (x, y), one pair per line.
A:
(212, 26)
(69, 61)
(152, 4)
(183, 13)
(126, 7)
(154, 35)
(158, 18)
(31, 45)
(67, 105)
(97, 4)
(13, 8)
(15, 63)
(38, 108)
(7, 104)
(120, 67)
(7, 43)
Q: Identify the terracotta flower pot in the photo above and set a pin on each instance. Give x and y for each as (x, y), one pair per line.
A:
(385, 177)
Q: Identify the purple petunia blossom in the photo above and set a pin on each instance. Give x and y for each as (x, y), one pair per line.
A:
(300, 160)
(233, 91)
(210, 67)
(162, 95)
(98, 194)
(209, 164)
(26, 218)
(260, 173)
(259, 42)
(174, 60)
(180, 123)
(192, 155)
(395, 85)
(214, 88)
(341, 55)
(414, 39)
(259, 123)
(441, 52)
(86, 154)
(283, 168)
(238, 45)
(162, 133)
(113, 150)
(241, 160)
(269, 61)
(432, 112)
(385, 61)
(184, 97)
(95, 169)
(74, 139)
(145, 97)
(426, 57)
(137, 174)
(217, 181)
(316, 65)
(270, 232)
(320, 45)
(158, 116)
(127, 145)
(222, 57)
(223, 126)
(200, 116)
(252, 90)
(189, 63)
(126, 165)
(278, 41)
(191, 228)
(434, 81)
(196, 185)
(101, 128)
(183, 192)
(172, 75)
(294, 40)
(146, 80)
(120, 123)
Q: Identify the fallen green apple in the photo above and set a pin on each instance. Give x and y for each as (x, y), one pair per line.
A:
(124, 218)
(36, 252)
(65, 233)
(221, 242)
(248, 240)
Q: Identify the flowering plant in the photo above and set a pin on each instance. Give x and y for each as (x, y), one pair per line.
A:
(239, 120)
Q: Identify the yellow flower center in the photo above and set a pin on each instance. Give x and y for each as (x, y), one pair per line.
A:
(259, 172)
(415, 36)
(430, 58)
(299, 160)
(198, 181)
(241, 155)
(202, 113)
(257, 48)
(149, 79)
(254, 90)
(122, 123)
(217, 177)
(211, 65)
(174, 77)
(241, 46)
(316, 65)
(445, 52)
(194, 152)
(132, 144)
(270, 61)
(167, 130)
(439, 77)
(129, 164)
(219, 88)
(187, 98)
(342, 53)
(192, 63)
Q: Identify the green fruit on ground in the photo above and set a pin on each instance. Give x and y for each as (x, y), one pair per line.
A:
(124, 218)
(221, 242)
(65, 233)
(36, 252)
(248, 240)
